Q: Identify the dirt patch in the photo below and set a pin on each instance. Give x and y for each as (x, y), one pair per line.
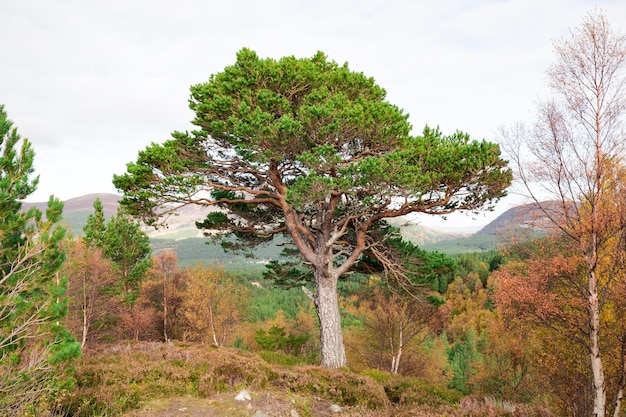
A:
(225, 405)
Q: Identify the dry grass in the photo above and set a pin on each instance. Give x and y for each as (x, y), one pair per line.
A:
(121, 378)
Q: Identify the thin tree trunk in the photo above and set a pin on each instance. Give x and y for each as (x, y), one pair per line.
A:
(165, 308)
(85, 329)
(622, 380)
(212, 324)
(327, 306)
(85, 315)
(393, 352)
(398, 355)
(599, 402)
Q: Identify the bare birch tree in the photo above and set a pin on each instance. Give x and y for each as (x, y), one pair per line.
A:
(567, 164)
(214, 305)
(91, 278)
(396, 324)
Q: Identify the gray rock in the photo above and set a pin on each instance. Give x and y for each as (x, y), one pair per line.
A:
(260, 414)
(334, 408)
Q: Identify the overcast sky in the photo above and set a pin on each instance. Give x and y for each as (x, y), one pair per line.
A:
(91, 83)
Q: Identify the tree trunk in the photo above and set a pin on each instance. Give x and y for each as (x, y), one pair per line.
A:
(622, 380)
(85, 314)
(165, 336)
(327, 306)
(212, 324)
(599, 402)
(395, 363)
(85, 329)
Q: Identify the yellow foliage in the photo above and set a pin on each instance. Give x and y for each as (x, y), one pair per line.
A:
(214, 304)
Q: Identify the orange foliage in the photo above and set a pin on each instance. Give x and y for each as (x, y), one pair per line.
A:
(141, 322)
(163, 291)
(545, 290)
(92, 309)
(510, 369)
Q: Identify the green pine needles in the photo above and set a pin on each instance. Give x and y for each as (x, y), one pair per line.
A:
(34, 346)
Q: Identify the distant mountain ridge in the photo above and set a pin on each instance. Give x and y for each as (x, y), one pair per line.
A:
(77, 210)
(520, 222)
(182, 225)
(110, 202)
(526, 216)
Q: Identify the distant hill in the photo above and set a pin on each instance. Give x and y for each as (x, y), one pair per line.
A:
(524, 221)
(77, 210)
(516, 219)
(83, 203)
(182, 224)
(421, 235)
(183, 236)
(110, 203)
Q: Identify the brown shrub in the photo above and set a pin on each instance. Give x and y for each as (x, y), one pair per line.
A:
(488, 407)
(337, 385)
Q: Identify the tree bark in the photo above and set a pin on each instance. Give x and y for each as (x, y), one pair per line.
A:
(327, 306)
(212, 324)
(85, 321)
(599, 403)
(395, 363)
(622, 380)
(85, 313)
(165, 336)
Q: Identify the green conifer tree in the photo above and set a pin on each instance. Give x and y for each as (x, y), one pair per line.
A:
(124, 243)
(95, 228)
(34, 346)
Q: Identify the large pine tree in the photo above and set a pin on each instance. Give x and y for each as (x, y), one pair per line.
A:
(311, 150)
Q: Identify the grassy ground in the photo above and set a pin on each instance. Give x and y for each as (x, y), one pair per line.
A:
(192, 380)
